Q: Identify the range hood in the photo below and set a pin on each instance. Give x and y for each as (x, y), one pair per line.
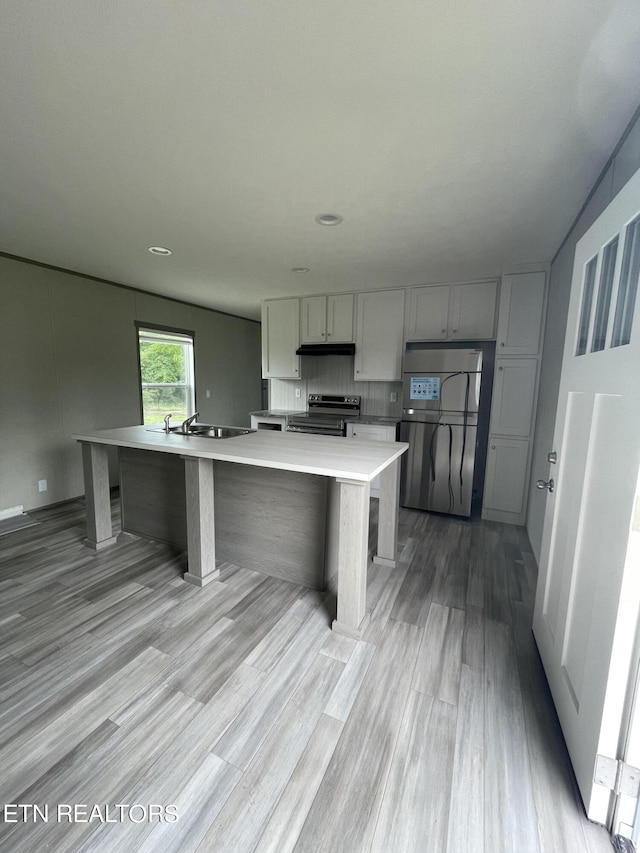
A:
(326, 349)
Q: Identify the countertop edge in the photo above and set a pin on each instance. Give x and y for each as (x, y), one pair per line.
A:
(230, 452)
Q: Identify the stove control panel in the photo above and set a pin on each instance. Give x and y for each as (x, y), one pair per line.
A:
(333, 400)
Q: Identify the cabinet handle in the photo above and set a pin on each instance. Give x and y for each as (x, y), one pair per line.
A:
(444, 331)
(501, 368)
(502, 344)
(493, 447)
(454, 331)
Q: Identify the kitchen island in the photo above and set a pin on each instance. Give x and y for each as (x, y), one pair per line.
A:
(292, 505)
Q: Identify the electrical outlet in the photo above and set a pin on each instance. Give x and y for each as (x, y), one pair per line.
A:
(42, 485)
(207, 393)
(297, 392)
(393, 397)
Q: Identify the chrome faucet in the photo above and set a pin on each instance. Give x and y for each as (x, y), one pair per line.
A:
(187, 423)
(167, 418)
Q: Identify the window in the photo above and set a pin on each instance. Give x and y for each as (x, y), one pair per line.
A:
(605, 290)
(587, 301)
(624, 296)
(166, 374)
(628, 289)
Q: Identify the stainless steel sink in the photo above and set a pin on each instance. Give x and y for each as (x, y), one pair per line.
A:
(206, 431)
(219, 431)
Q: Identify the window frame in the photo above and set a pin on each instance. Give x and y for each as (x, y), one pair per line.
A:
(141, 326)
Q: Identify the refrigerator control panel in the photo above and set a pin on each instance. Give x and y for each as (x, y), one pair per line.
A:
(424, 388)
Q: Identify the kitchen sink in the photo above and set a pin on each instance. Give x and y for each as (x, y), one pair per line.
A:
(219, 431)
(207, 431)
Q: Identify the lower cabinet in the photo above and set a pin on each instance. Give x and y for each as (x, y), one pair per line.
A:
(505, 479)
(269, 422)
(372, 432)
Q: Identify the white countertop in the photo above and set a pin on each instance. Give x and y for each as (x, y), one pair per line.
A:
(329, 456)
(278, 413)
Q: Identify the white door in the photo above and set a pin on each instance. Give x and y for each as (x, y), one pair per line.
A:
(588, 590)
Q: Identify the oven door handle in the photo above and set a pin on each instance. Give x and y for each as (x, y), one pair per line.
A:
(318, 431)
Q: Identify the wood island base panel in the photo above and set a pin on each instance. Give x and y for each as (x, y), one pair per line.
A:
(267, 520)
(292, 506)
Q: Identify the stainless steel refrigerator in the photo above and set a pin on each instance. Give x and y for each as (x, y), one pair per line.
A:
(440, 397)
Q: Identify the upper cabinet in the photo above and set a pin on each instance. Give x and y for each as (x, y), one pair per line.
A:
(439, 312)
(453, 312)
(521, 307)
(340, 317)
(379, 344)
(280, 339)
(428, 313)
(472, 315)
(327, 318)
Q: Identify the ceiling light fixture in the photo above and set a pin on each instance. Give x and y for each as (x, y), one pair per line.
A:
(300, 269)
(328, 219)
(160, 250)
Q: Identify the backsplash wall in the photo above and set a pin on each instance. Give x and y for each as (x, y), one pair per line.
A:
(330, 374)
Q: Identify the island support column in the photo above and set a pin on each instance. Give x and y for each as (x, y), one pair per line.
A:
(353, 537)
(201, 545)
(95, 467)
(388, 515)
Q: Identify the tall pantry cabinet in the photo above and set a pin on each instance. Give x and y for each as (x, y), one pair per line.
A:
(515, 386)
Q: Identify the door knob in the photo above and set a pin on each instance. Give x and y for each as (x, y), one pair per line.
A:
(545, 484)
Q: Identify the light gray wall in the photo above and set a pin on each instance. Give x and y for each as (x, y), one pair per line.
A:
(622, 165)
(69, 363)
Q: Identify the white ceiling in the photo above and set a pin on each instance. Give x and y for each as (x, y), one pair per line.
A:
(455, 138)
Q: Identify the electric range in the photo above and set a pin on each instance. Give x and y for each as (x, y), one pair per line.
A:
(327, 414)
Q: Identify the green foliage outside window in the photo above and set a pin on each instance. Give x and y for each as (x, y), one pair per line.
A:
(161, 362)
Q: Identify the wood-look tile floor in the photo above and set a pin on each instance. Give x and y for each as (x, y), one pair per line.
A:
(125, 691)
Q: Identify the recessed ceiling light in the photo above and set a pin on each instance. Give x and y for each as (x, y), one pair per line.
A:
(300, 269)
(328, 219)
(160, 250)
